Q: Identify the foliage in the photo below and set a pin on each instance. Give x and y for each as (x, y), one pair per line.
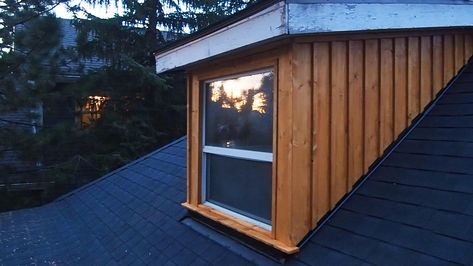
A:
(143, 110)
(29, 53)
(207, 12)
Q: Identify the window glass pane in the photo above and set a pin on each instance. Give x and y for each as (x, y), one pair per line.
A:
(240, 185)
(239, 111)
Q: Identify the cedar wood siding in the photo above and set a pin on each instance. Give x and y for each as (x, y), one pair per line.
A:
(365, 92)
(340, 101)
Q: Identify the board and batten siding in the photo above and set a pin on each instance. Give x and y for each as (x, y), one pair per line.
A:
(340, 101)
(344, 101)
(364, 94)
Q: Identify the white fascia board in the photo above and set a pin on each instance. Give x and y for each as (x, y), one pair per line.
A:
(322, 17)
(261, 26)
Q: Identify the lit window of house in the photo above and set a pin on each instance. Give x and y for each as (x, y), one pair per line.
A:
(91, 110)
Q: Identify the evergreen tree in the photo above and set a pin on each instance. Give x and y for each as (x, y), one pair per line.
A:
(29, 58)
(29, 38)
(142, 110)
(145, 110)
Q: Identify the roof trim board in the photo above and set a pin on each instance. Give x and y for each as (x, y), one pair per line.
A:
(172, 143)
(297, 17)
(329, 17)
(457, 2)
(263, 25)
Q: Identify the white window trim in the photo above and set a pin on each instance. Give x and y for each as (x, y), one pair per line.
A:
(230, 152)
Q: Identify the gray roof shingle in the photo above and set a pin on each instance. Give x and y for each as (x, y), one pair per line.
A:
(416, 208)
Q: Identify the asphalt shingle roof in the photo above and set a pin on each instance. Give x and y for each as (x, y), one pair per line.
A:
(416, 208)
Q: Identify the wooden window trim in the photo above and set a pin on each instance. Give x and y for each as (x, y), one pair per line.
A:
(242, 154)
(266, 60)
(243, 227)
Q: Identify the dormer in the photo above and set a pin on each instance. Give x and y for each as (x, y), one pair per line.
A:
(291, 102)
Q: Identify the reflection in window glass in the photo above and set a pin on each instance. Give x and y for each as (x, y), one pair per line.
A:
(239, 112)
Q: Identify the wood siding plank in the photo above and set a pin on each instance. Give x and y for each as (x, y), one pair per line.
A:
(339, 137)
(425, 71)
(321, 134)
(189, 140)
(371, 102)
(459, 52)
(400, 85)
(274, 167)
(301, 140)
(413, 79)
(283, 221)
(195, 142)
(355, 110)
(448, 59)
(386, 94)
(468, 46)
(437, 63)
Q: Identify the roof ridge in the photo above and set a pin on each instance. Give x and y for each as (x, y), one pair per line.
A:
(172, 143)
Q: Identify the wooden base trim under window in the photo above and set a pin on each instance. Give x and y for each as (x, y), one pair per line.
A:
(243, 227)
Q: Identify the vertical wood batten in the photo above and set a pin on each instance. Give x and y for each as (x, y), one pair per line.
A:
(355, 110)
(386, 94)
(339, 137)
(301, 140)
(400, 85)
(468, 46)
(448, 59)
(321, 135)
(413, 79)
(189, 134)
(284, 156)
(194, 178)
(274, 168)
(371, 102)
(425, 71)
(459, 51)
(437, 63)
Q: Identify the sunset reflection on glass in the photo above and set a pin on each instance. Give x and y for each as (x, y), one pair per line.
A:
(236, 93)
(239, 112)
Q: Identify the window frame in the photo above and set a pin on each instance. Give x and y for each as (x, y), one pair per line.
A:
(249, 155)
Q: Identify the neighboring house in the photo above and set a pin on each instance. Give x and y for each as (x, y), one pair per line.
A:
(337, 134)
(58, 108)
(19, 174)
(76, 111)
(70, 71)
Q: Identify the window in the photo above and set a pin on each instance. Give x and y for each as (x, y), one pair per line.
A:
(237, 146)
(90, 110)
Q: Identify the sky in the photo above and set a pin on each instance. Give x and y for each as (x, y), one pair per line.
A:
(99, 11)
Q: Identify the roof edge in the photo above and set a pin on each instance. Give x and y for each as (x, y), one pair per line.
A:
(310, 18)
(261, 5)
(267, 22)
(276, 19)
(109, 174)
